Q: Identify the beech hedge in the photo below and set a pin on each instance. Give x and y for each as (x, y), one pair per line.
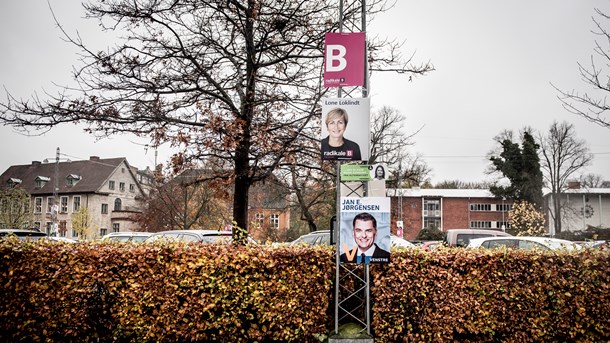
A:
(163, 292)
(466, 295)
(104, 292)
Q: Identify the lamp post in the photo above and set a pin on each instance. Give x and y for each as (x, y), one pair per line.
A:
(55, 206)
(503, 220)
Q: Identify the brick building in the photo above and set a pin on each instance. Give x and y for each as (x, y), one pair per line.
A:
(447, 209)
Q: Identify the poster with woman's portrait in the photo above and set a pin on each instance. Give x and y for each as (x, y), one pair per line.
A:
(345, 129)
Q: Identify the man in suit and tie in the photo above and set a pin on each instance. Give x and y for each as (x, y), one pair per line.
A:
(366, 251)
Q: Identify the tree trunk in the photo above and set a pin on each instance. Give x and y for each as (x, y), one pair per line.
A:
(557, 207)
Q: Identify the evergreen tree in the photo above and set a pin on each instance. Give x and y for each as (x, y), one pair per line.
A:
(521, 166)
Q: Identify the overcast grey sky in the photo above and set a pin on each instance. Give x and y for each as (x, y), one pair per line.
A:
(495, 62)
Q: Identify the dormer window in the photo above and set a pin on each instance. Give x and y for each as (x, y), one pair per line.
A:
(72, 179)
(41, 181)
(13, 182)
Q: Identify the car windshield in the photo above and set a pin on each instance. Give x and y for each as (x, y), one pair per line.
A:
(563, 245)
(24, 235)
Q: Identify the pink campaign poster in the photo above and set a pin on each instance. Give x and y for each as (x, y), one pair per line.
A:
(344, 54)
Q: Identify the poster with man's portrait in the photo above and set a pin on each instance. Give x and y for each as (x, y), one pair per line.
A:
(345, 129)
(365, 230)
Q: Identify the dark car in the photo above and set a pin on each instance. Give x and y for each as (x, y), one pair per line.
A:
(22, 234)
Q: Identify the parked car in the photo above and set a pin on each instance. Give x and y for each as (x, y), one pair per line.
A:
(523, 242)
(323, 237)
(61, 239)
(314, 238)
(202, 236)
(135, 237)
(430, 245)
(22, 234)
(461, 237)
(602, 245)
(398, 242)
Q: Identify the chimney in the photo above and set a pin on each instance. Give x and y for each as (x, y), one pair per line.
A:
(573, 185)
(35, 163)
(94, 158)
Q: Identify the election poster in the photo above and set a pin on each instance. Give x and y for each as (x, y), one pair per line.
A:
(345, 129)
(365, 230)
(344, 56)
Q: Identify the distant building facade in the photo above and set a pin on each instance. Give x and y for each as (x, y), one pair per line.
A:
(107, 188)
(269, 210)
(447, 209)
(581, 208)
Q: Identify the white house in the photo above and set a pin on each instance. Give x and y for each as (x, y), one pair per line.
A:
(580, 208)
(108, 188)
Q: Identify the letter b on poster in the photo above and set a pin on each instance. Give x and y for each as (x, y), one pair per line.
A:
(344, 55)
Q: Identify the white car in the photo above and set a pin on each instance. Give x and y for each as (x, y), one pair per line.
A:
(401, 243)
(135, 237)
(523, 242)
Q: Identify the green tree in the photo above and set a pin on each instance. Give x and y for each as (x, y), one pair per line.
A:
(14, 208)
(521, 166)
(525, 220)
(430, 233)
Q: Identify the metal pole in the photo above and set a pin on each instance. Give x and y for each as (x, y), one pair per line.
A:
(338, 244)
(55, 209)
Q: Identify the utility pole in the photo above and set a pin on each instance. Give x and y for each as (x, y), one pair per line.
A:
(55, 207)
(55, 204)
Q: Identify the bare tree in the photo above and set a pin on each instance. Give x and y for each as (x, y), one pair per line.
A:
(185, 202)
(592, 181)
(563, 156)
(390, 145)
(592, 105)
(234, 83)
(14, 208)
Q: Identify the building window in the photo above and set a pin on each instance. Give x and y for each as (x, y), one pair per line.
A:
(429, 222)
(74, 233)
(48, 227)
(503, 225)
(50, 205)
(111, 185)
(37, 205)
(116, 227)
(259, 219)
(132, 187)
(103, 232)
(432, 208)
(504, 207)
(63, 201)
(117, 204)
(41, 181)
(122, 186)
(63, 227)
(104, 208)
(72, 179)
(76, 203)
(12, 182)
(480, 207)
(36, 226)
(275, 220)
(480, 224)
